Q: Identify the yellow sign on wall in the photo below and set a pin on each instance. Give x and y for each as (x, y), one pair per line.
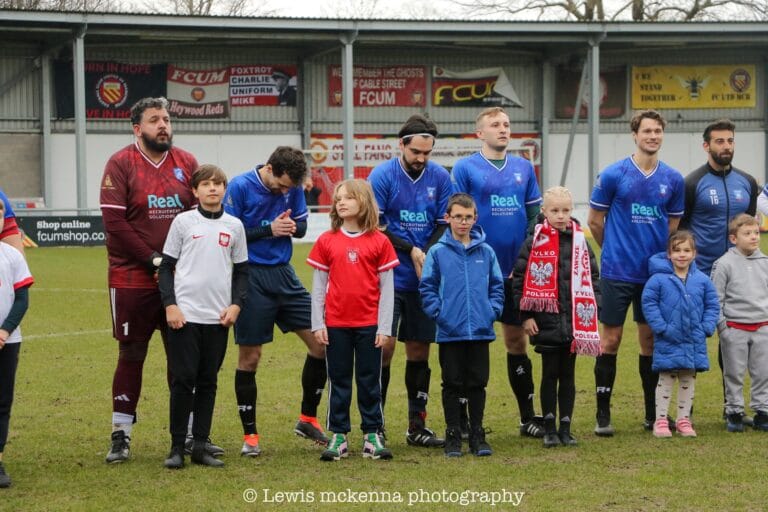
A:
(660, 87)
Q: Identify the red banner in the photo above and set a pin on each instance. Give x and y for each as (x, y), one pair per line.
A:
(373, 86)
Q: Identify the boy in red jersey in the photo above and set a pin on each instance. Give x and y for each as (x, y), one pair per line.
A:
(144, 186)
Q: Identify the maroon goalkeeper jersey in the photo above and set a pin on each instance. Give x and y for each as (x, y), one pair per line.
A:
(139, 200)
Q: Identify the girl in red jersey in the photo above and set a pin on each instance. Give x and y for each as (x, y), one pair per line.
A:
(352, 304)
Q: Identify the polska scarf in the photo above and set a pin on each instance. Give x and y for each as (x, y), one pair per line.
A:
(540, 290)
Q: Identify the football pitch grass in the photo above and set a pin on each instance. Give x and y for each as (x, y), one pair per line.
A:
(60, 429)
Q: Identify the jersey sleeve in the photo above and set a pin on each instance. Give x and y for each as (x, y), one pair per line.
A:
(22, 277)
(460, 177)
(240, 247)
(174, 239)
(387, 256)
(603, 191)
(676, 205)
(317, 257)
(233, 200)
(446, 190)
(380, 187)
(298, 204)
(532, 192)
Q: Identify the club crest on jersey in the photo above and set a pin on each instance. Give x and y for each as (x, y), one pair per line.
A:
(352, 255)
(224, 239)
(431, 193)
(107, 184)
(518, 177)
(663, 189)
(179, 174)
(737, 195)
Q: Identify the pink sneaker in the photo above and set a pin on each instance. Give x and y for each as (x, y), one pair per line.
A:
(661, 428)
(684, 428)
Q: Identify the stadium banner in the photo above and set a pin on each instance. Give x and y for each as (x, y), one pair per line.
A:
(381, 86)
(198, 94)
(111, 88)
(50, 231)
(613, 93)
(694, 86)
(262, 85)
(487, 87)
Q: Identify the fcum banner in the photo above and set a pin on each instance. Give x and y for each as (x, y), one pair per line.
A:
(111, 88)
(198, 94)
(694, 86)
(391, 86)
(262, 85)
(488, 87)
(57, 231)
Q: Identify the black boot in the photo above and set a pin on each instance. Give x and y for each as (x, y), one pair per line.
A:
(175, 458)
(477, 444)
(565, 434)
(453, 442)
(201, 456)
(551, 438)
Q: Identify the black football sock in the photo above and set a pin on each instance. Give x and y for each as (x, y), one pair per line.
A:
(313, 378)
(245, 393)
(519, 371)
(605, 375)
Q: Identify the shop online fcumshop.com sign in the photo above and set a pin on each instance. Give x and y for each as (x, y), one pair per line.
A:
(64, 230)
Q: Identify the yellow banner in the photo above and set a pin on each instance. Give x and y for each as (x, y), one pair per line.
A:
(660, 87)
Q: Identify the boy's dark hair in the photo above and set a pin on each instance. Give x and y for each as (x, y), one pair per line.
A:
(742, 219)
(678, 237)
(720, 124)
(634, 124)
(461, 199)
(288, 160)
(138, 108)
(208, 172)
(417, 124)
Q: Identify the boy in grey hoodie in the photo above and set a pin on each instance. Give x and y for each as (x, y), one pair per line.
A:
(741, 279)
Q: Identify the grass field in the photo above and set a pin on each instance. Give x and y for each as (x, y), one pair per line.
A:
(61, 424)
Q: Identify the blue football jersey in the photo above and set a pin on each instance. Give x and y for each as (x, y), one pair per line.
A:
(637, 225)
(411, 209)
(502, 196)
(249, 200)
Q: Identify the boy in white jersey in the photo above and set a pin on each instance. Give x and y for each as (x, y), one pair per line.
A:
(203, 284)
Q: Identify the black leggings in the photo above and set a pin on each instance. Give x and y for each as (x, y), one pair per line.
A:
(9, 360)
(558, 386)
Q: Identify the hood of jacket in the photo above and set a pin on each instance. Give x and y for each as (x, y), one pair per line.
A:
(476, 237)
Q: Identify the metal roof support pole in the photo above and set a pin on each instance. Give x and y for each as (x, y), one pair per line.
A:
(78, 53)
(546, 114)
(574, 123)
(302, 106)
(347, 100)
(46, 174)
(594, 108)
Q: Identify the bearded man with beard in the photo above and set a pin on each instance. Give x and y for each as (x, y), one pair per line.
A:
(144, 186)
(715, 193)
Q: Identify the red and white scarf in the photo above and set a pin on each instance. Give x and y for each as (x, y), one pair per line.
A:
(540, 290)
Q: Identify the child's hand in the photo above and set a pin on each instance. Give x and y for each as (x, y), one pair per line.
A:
(530, 327)
(174, 317)
(229, 315)
(321, 336)
(418, 256)
(3, 337)
(381, 340)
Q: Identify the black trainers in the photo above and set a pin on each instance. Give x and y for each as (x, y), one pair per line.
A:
(311, 430)
(603, 428)
(5, 479)
(551, 440)
(175, 458)
(760, 422)
(734, 422)
(201, 456)
(120, 450)
(212, 449)
(566, 438)
(533, 427)
(452, 443)
(477, 444)
(423, 437)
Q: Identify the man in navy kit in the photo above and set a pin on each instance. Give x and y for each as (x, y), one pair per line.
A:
(715, 193)
(636, 203)
(508, 201)
(270, 202)
(412, 193)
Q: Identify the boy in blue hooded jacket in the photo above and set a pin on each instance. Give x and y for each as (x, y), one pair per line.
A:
(682, 308)
(463, 290)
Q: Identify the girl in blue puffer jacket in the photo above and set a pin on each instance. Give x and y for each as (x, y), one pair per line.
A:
(681, 306)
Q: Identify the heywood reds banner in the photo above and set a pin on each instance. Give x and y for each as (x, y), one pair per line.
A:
(198, 94)
(111, 88)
